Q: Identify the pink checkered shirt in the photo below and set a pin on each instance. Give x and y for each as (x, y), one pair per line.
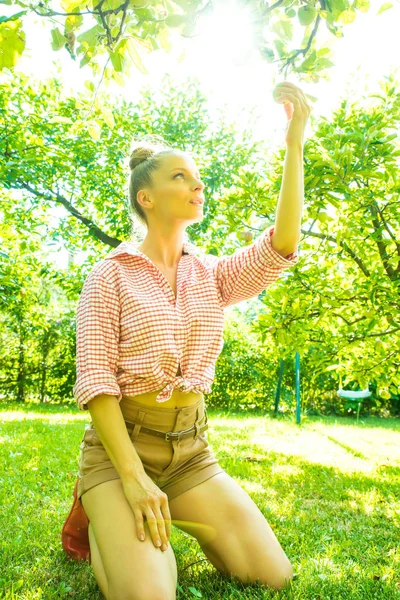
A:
(132, 334)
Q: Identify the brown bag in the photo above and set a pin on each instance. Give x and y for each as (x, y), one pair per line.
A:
(75, 531)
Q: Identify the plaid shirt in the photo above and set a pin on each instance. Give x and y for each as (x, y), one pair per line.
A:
(132, 333)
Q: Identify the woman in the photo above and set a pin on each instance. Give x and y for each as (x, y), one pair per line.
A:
(149, 331)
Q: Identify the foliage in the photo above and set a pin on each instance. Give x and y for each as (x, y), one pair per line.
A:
(338, 306)
(119, 32)
(37, 337)
(247, 376)
(343, 295)
(55, 161)
(48, 162)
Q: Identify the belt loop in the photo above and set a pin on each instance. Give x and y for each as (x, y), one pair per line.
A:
(196, 425)
(138, 424)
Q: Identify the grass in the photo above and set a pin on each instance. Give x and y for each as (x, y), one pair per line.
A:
(329, 489)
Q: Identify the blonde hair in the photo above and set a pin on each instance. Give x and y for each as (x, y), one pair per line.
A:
(144, 159)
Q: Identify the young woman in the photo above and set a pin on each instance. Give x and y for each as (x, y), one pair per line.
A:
(149, 331)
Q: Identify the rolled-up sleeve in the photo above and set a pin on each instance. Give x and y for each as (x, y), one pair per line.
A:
(97, 337)
(250, 270)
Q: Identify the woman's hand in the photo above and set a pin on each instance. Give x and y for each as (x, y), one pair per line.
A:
(146, 498)
(297, 111)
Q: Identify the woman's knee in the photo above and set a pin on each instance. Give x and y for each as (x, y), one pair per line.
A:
(278, 580)
(134, 569)
(151, 591)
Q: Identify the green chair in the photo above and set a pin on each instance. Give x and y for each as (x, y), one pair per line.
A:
(354, 397)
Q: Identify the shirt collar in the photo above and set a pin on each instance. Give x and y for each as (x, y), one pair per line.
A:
(130, 249)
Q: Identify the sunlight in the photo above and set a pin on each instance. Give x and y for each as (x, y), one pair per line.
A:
(57, 418)
(311, 446)
(232, 43)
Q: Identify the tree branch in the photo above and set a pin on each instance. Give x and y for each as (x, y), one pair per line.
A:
(345, 247)
(304, 50)
(93, 228)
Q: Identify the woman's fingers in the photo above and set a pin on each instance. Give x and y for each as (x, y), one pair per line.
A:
(147, 500)
(156, 525)
(298, 101)
(297, 110)
(162, 529)
(139, 524)
(290, 88)
(159, 525)
(167, 516)
(153, 527)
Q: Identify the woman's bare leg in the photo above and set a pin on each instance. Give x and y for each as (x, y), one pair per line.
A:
(125, 567)
(97, 564)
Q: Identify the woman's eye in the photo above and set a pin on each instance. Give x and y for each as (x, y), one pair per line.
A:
(178, 174)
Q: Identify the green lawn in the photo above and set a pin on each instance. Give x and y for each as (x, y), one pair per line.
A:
(329, 489)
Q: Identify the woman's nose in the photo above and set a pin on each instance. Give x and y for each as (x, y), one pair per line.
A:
(201, 185)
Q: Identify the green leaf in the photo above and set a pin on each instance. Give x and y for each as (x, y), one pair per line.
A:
(323, 51)
(89, 85)
(323, 63)
(73, 22)
(12, 43)
(362, 5)
(338, 6)
(145, 14)
(175, 20)
(164, 40)
(384, 7)
(288, 29)
(70, 5)
(60, 119)
(85, 60)
(281, 47)
(13, 17)
(94, 130)
(132, 47)
(58, 39)
(91, 35)
(108, 116)
(195, 592)
(118, 79)
(267, 53)
(309, 62)
(347, 16)
(112, 4)
(116, 60)
(156, 44)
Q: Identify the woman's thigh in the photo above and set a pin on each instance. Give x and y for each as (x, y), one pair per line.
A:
(134, 569)
(232, 531)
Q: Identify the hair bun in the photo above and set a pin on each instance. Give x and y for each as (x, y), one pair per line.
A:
(139, 155)
(146, 147)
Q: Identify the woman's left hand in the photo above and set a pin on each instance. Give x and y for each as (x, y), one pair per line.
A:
(297, 110)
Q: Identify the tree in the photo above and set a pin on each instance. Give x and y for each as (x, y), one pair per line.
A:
(54, 161)
(37, 336)
(341, 299)
(121, 30)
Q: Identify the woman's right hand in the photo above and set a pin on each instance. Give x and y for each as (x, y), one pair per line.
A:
(145, 498)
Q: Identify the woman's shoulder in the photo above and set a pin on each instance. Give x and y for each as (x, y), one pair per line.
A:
(105, 269)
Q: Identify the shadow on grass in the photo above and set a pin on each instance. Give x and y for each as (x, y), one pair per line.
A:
(338, 528)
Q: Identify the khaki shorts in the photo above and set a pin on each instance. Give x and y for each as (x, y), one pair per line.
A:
(175, 465)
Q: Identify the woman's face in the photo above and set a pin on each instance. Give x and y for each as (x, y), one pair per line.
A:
(175, 183)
